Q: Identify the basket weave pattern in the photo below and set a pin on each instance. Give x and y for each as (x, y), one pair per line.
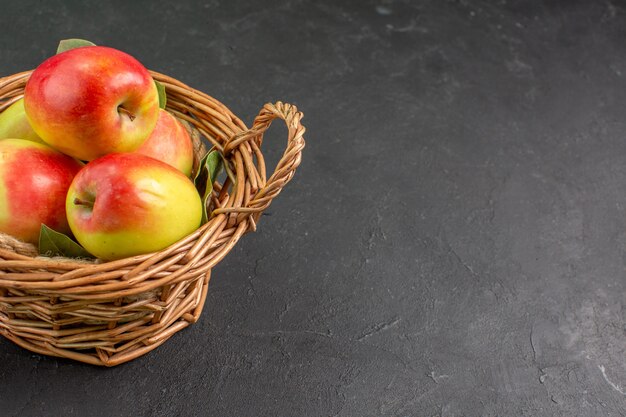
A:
(110, 313)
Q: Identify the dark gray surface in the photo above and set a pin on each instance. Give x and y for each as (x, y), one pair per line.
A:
(453, 244)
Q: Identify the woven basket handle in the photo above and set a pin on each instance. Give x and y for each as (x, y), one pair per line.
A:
(286, 167)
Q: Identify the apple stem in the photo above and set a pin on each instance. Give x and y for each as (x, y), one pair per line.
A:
(128, 113)
(81, 202)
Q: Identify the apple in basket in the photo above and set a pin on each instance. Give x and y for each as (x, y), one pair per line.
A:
(170, 142)
(34, 179)
(126, 204)
(15, 125)
(90, 101)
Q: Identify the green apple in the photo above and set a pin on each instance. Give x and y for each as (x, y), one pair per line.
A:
(14, 123)
(170, 142)
(126, 204)
(91, 101)
(34, 179)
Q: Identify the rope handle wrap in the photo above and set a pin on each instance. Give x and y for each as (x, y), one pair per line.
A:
(286, 167)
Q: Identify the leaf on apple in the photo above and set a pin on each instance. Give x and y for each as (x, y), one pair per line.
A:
(53, 243)
(162, 96)
(210, 167)
(67, 44)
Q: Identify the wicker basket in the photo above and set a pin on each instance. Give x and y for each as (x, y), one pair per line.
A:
(108, 313)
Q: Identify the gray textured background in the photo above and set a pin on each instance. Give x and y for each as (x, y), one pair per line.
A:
(453, 244)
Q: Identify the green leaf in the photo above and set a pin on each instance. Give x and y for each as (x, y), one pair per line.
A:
(67, 44)
(210, 167)
(162, 95)
(53, 243)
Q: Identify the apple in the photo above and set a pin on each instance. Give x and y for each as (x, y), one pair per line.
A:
(15, 125)
(34, 179)
(90, 101)
(170, 142)
(126, 204)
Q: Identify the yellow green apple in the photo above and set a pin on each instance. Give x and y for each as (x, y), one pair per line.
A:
(15, 125)
(90, 101)
(126, 204)
(34, 179)
(170, 142)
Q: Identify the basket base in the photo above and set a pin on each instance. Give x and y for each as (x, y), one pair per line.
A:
(143, 323)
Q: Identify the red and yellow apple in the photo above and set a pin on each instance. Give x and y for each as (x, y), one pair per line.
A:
(34, 179)
(91, 101)
(15, 125)
(126, 204)
(170, 142)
